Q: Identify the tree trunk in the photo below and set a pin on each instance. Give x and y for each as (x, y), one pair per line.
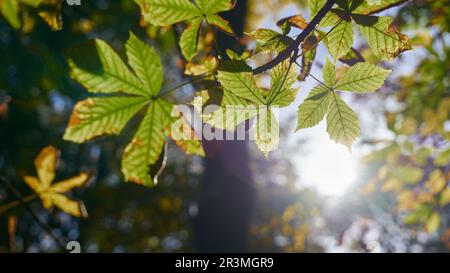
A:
(227, 192)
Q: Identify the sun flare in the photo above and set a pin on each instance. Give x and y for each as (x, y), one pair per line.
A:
(328, 167)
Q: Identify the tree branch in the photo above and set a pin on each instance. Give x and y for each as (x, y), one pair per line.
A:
(295, 45)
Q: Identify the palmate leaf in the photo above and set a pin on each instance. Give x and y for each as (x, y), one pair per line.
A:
(169, 12)
(52, 194)
(99, 116)
(342, 122)
(237, 79)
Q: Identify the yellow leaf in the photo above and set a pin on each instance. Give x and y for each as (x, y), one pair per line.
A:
(46, 200)
(51, 14)
(70, 183)
(68, 206)
(52, 194)
(45, 165)
(33, 183)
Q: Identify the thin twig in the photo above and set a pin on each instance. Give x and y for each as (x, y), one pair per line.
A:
(295, 45)
(32, 212)
(295, 57)
(16, 203)
(165, 92)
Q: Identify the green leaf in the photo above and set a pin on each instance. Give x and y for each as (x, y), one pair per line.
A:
(108, 115)
(314, 108)
(332, 18)
(270, 40)
(342, 122)
(227, 110)
(267, 132)
(95, 117)
(214, 6)
(283, 77)
(147, 144)
(146, 64)
(189, 39)
(314, 6)
(340, 39)
(10, 10)
(219, 22)
(382, 36)
(167, 12)
(237, 78)
(115, 77)
(375, 6)
(363, 78)
(329, 73)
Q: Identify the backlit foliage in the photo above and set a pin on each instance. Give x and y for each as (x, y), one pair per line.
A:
(95, 117)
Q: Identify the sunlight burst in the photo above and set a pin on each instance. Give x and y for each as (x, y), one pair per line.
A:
(329, 167)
